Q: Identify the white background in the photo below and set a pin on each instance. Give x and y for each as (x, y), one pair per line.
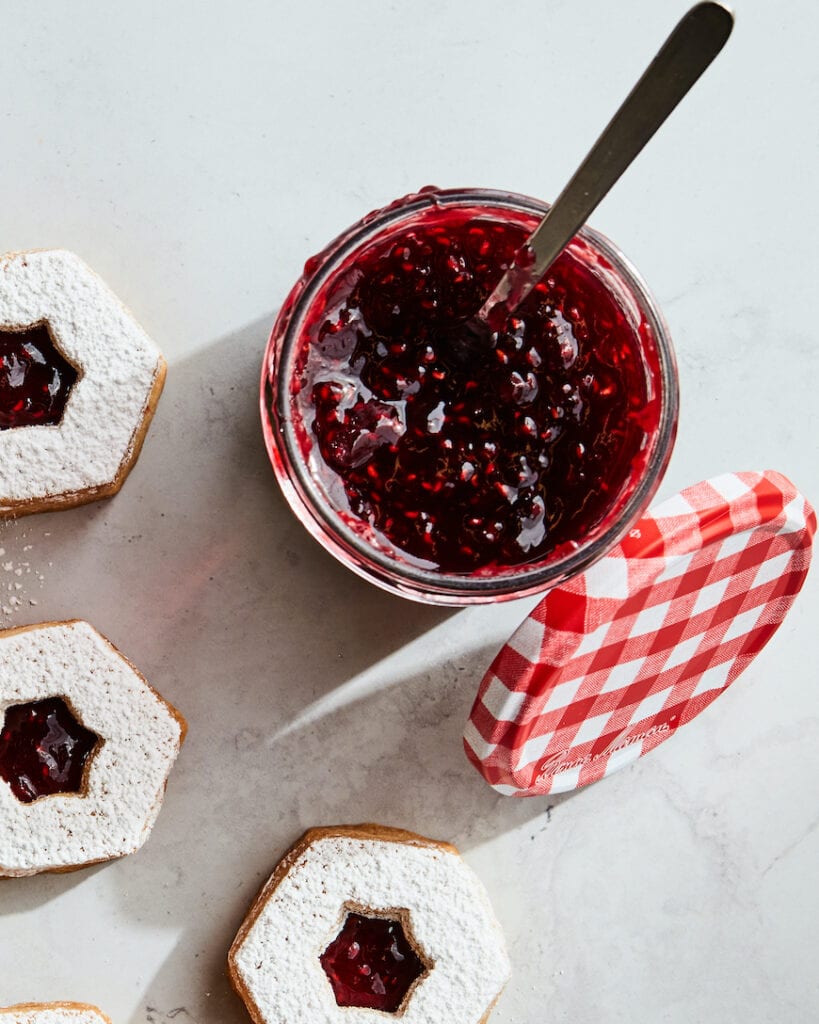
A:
(195, 154)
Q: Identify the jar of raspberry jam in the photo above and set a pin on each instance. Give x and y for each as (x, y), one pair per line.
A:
(454, 472)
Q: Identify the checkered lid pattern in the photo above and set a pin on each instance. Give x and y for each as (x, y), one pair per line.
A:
(613, 662)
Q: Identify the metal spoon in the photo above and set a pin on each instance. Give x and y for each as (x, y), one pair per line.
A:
(694, 43)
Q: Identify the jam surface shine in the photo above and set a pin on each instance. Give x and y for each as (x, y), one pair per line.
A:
(43, 749)
(370, 963)
(35, 378)
(466, 458)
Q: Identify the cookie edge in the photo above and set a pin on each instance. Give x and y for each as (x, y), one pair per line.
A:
(36, 1007)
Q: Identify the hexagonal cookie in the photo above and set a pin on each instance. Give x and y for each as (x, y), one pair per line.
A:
(52, 1013)
(362, 922)
(79, 383)
(86, 747)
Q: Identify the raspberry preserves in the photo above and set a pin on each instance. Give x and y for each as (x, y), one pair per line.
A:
(459, 457)
(461, 466)
(35, 378)
(44, 749)
(370, 963)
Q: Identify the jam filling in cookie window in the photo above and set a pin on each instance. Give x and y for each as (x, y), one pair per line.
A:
(44, 750)
(35, 378)
(372, 963)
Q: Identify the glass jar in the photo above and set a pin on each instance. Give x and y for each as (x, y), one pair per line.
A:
(319, 501)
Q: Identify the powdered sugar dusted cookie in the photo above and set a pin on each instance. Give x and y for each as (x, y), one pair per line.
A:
(361, 921)
(86, 747)
(52, 1013)
(79, 382)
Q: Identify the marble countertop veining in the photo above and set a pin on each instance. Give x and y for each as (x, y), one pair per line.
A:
(195, 155)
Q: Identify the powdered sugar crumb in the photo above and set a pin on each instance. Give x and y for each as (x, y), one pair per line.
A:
(16, 571)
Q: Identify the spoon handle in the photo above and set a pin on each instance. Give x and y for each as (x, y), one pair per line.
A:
(694, 43)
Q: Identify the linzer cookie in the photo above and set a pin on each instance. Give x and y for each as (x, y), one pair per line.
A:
(86, 747)
(52, 1013)
(79, 383)
(363, 918)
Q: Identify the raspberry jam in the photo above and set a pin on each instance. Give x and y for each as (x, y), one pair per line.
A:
(455, 465)
(44, 749)
(457, 459)
(371, 964)
(35, 378)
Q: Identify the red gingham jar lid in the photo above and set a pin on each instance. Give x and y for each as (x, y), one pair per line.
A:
(613, 662)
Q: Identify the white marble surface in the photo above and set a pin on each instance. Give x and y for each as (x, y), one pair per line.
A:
(195, 154)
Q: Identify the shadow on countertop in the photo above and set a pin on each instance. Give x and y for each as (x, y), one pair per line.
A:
(297, 679)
